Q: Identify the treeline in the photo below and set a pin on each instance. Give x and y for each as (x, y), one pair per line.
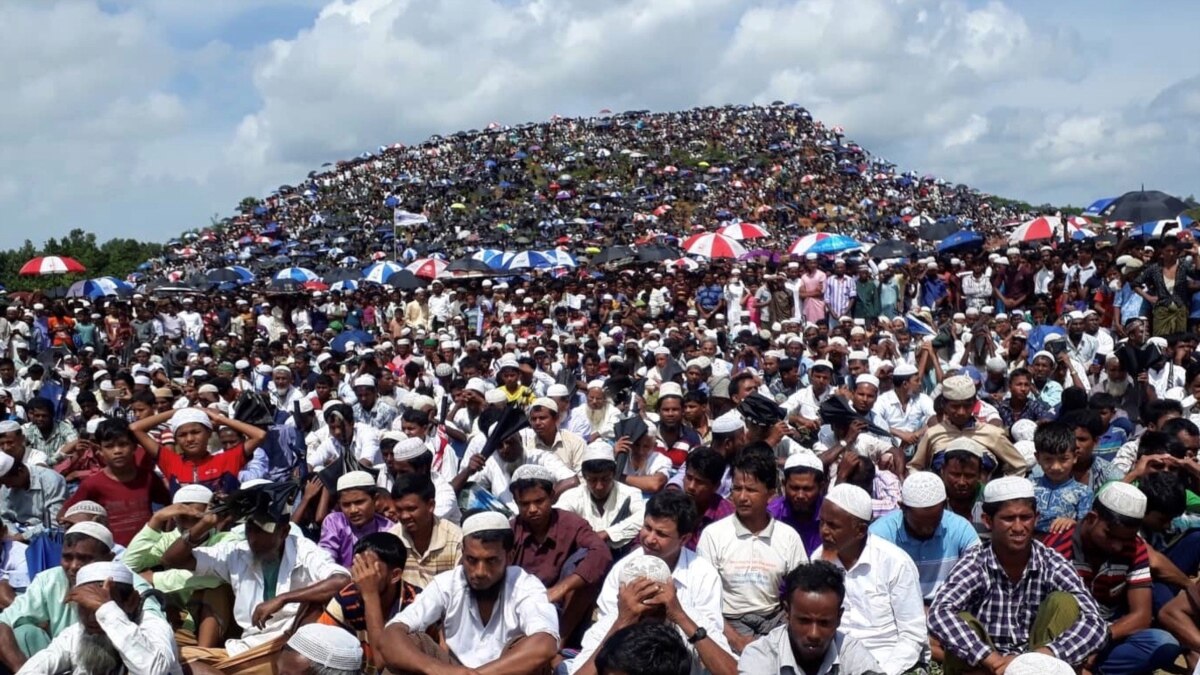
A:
(115, 257)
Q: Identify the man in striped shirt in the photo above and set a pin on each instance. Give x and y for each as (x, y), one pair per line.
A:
(1114, 563)
(839, 291)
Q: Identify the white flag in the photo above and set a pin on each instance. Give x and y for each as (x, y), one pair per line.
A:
(402, 218)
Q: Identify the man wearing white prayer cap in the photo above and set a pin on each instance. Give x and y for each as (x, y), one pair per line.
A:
(521, 632)
(799, 505)
(598, 415)
(31, 494)
(113, 634)
(318, 648)
(544, 433)
(1114, 564)
(958, 421)
(191, 461)
(932, 535)
(1040, 603)
(370, 408)
(612, 508)
(883, 608)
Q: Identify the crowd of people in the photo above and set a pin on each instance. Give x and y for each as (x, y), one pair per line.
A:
(972, 462)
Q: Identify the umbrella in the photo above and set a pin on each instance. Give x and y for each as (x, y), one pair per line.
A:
(962, 240)
(381, 271)
(892, 248)
(657, 253)
(297, 274)
(1159, 228)
(358, 337)
(98, 288)
(287, 284)
(428, 268)
(405, 280)
(315, 285)
(1144, 206)
(345, 286)
(1043, 227)
(530, 260)
(1097, 207)
(743, 231)
(51, 264)
(561, 258)
(939, 230)
(493, 258)
(823, 242)
(613, 254)
(468, 265)
(339, 275)
(711, 245)
(686, 264)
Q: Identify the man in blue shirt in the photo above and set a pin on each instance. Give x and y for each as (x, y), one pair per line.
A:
(933, 289)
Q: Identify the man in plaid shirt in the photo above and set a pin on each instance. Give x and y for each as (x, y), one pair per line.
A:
(1014, 596)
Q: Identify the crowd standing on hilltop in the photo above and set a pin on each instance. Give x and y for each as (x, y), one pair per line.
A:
(967, 460)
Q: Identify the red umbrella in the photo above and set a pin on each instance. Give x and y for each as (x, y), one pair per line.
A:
(51, 264)
(711, 245)
(427, 268)
(315, 285)
(741, 231)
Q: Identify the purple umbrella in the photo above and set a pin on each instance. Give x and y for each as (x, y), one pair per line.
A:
(762, 253)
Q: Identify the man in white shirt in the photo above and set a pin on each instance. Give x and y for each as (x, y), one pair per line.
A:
(283, 394)
(361, 440)
(752, 552)
(492, 471)
(112, 632)
(411, 456)
(804, 407)
(883, 608)
(492, 614)
(599, 414)
(905, 409)
(613, 509)
(686, 594)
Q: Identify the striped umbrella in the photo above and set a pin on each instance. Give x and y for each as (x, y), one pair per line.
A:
(744, 231)
(1158, 228)
(685, 264)
(530, 260)
(712, 245)
(99, 288)
(561, 258)
(297, 274)
(427, 268)
(345, 286)
(493, 258)
(823, 243)
(51, 264)
(380, 271)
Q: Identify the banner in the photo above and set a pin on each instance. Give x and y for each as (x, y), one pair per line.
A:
(402, 218)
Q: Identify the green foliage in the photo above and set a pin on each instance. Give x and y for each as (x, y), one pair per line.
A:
(115, 257)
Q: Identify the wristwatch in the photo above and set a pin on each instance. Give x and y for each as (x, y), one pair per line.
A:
(699, 635)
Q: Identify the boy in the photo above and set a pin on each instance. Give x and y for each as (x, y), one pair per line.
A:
(1092, 471)
(1062, 501)
(354, 519)
(127, 487)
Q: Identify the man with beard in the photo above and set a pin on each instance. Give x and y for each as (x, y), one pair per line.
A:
(496, 617)
(1081, 346)
(799, 506)
(612, 508)
(1117, 382)
(811, 639)
(113, 634)
(599, 413)
(39, 614)
(666, 583)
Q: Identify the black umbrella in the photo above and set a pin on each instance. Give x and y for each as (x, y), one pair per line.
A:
(405, 280)
(657, 253)
(613, 254)
(468, 265)
(341, 275)
(286, 285)
(939, 230)
(223, 274)
(892, 248)
(1144, 206)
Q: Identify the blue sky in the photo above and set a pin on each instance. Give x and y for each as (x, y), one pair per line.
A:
(143, 118)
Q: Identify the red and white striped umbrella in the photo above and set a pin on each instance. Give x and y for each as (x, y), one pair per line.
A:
(186, 252)
(378, 255)
(686, 264)
(1046, 227)
(742, 231)
(51, 264)
(427, 268)
(712, 245)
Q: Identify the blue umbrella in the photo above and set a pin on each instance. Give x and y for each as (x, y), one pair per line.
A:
(1159, 228)
(345, 286)
(297, 274)
(1096, 207)
(358, 337)
(959, 241)
(493, 258)
(530, 260)
(99, 288)
(380, 271)
(391, 202)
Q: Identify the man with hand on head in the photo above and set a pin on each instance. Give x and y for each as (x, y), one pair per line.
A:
(113, 633)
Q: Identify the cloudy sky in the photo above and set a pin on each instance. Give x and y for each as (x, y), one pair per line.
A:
(143, 118)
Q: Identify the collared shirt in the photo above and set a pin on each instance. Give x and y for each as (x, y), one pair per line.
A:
(720, 508)
(809, 528)
(838, 293)
(935, 556)
(909, 417)
(380, 417)
(989, 436)
(13, 567)
(883, 608)
(522, 610)
(303, 564)
(146, 550)
(44, 603)
(620, 516)
(751, 564)
(807, 404)
(772, 654)
(146, 647)
(570, 543)
(698, 587)
(443, 554)
(339, 537)
(28, 511)
(1006, 609)
(568, 445)
(1034, 410)
(494, 478)
(60, 434)
(445, 500)
(364, 447)
(1068, 499)
(1117, 574)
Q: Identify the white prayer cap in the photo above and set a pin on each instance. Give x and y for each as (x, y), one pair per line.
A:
(364, 381)
(208, 389)
(1007, 488)
(241, 364)
(94, 530)
(478, 385)
(485, 521)
(804, 460)
(329, 646)
(669, 389)
(822, 363)
(595, 384)
(728, 423)
(142, 379)
(496, 395)
(644, 567)
(85, 506)
(192, 494)
(958, 388)
(532, 472)
(409, 448)
(852, 499)
(662, 351)
(189, 416)
(866, 379)
(922, 489)
(545, 402)
(557, 391)
(355, 480)
(904, 370)
(967, 444)
(598, 450)
(1123, 499)
(1036, 663)
(1023, 430)
(996, 364)
(99, 572)
(859, 356)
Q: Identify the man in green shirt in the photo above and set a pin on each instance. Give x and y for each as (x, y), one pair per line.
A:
(44, 603)
(866, 300)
